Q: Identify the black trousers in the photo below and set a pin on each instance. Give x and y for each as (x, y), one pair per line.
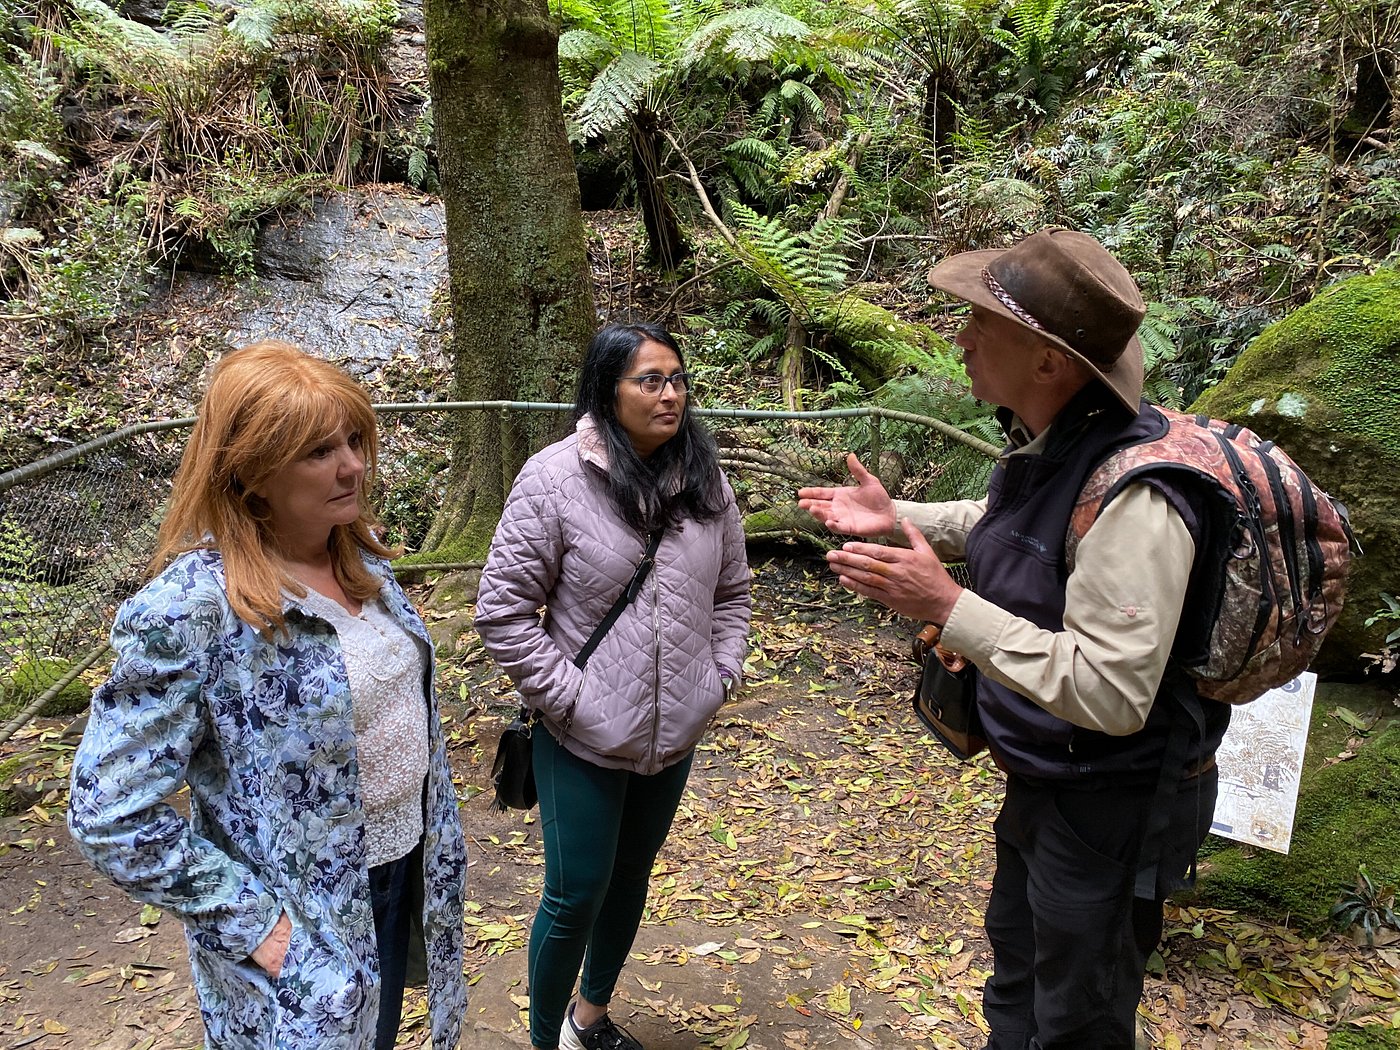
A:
(392, 900)
(1070, 940)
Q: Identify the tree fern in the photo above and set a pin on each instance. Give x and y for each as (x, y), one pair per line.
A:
(749, 34)
(617, 93)
(585, 47)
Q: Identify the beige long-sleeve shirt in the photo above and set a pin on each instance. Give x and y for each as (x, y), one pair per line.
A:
(1123, 602)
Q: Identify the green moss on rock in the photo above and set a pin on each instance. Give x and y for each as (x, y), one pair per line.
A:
(1325, 384)
(1345, 817)
(1334, 363)
(29, 678)
(1372, 1037)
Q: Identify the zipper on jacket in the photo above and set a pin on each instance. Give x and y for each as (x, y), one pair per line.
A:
(655, 659)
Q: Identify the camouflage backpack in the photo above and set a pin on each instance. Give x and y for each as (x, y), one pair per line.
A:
(1290, 544)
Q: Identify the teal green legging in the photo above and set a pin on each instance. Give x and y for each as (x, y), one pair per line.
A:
(602, 830)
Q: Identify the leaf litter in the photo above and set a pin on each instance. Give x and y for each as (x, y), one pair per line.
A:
(826, 851)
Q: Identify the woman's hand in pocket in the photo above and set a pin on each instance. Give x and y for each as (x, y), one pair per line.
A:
(273, 951)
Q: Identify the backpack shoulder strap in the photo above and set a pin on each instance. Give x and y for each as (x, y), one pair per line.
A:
(1186, 445)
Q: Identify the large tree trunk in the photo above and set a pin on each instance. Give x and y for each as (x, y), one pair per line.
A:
(522, 300)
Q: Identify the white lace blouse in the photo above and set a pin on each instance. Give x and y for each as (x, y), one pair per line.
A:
(386, 666)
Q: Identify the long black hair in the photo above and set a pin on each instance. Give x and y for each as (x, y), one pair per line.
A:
(681, 479)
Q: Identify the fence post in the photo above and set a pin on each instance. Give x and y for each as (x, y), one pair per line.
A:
(873, 462)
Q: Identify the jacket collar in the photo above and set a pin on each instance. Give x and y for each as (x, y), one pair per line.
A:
(592, 449)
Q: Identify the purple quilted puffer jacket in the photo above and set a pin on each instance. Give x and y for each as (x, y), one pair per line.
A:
(653, 684)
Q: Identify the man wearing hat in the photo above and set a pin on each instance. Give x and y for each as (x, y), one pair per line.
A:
(1108, 752)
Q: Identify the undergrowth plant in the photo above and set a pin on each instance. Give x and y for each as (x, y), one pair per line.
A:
(190, 134)
(1367, 906)
(1387, 658)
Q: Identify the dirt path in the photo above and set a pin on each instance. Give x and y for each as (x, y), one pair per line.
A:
(822, 887)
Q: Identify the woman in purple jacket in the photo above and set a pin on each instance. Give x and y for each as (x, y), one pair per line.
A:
(621, 731)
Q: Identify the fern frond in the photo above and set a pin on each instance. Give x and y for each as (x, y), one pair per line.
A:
(617, 93)
(254, 26)
(770, 311)
(754, 151)
(585, 47)
(124, 35)
(750, 34)
(417, 168)
(802, 99)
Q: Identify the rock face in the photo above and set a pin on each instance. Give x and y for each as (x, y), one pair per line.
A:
(1325, 384)
(352, 279)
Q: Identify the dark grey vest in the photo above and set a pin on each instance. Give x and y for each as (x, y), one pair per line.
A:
(1016, 557)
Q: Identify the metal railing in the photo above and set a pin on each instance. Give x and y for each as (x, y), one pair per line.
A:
(77, 528)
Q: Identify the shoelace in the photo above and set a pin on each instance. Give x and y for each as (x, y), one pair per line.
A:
(610, 1036)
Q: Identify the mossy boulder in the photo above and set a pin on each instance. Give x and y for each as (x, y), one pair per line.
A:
(1345, 817)
(1371, 1037)
(1325, 384)
(31, 677)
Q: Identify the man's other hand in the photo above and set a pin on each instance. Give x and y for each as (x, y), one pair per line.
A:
(912, 581)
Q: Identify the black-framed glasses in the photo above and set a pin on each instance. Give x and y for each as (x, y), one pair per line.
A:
(652, 383)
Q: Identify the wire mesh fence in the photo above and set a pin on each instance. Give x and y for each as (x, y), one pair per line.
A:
(77, 529)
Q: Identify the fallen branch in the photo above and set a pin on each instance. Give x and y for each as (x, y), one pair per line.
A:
(705, 205)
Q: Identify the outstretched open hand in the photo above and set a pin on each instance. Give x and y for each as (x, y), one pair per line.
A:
(912, 581)
(862, 509)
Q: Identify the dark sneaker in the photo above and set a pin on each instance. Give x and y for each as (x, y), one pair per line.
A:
(600, 1035)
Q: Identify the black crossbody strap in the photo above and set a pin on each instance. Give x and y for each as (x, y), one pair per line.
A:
(624, 599)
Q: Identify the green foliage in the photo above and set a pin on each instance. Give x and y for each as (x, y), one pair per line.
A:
(242, 116)
(27, 101)
(92, 267)
(1388, 613)
(242, 119)
(408, 505)
(1043, 41)
(18, 552)
(1368, 1037)
(791, 264)
(1367, 906)
(1387, 659)
(746, 34)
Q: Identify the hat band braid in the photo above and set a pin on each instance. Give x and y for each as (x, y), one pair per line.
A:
(1004, 297)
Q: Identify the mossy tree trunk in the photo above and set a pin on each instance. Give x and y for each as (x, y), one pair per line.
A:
(522, 299)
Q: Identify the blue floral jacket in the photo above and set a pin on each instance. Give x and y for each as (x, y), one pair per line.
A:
(261, 732)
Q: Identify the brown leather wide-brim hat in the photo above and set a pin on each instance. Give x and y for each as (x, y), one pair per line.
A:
(1064, 286)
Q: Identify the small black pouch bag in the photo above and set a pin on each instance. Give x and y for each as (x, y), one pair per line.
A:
(946, 699)
(513, 772)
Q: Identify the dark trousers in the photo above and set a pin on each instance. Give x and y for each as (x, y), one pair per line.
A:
(392, 899)
(602, 829)
(1070, 941)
